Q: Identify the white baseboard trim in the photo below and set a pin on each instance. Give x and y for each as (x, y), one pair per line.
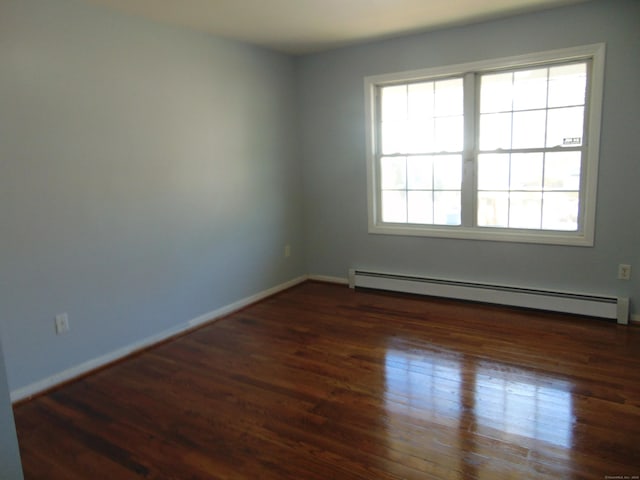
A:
(329, 279)
(98, 362)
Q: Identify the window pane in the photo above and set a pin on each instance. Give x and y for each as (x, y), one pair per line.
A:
(420, 173)
(495, 131)
(393, 173)
(449, 97)
(493, 171)
(493, 209)
(394, 103)
(421, 98)
(530, 89)
(525, 209)
(449, 134)
(529, 129)
(564, 127)
(526, 171)
(421, 207)
(560, 211)
(447, 172)
(394, 206)
(446, 206)
(394, 137)
(567, 85)
(495, 92)
(562, 171)
(420, 137)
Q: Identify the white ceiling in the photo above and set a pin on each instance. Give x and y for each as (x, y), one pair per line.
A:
(304, 26)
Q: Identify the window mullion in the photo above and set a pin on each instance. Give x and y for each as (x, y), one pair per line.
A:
(468, 194)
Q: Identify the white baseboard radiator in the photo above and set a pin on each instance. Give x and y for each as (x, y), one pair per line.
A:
(602, 306)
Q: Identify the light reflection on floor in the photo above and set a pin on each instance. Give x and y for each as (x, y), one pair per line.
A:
(421, 386)
(503, 402)
(522, 407)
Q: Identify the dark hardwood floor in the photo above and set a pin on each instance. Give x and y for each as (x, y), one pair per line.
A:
(321, 382)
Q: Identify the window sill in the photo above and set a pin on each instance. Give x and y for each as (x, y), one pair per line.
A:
(576, 239)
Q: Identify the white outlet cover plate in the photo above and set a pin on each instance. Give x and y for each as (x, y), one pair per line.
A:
(62, 323)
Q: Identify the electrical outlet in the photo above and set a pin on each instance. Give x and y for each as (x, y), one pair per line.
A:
(624, 272)
(62, 323)
(287, 250)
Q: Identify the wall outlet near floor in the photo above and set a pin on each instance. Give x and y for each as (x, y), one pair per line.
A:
(62, 323)
(287, 250)
(624, 272)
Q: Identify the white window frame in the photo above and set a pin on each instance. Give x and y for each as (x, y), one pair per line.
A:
(585, 234)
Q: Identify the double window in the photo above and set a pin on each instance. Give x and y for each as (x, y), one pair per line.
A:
(500, 150)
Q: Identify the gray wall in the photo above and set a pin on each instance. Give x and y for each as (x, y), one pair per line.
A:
(333, 144)
(148, 175)
(10, 468)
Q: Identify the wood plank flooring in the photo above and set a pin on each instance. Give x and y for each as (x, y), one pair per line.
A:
(322, 382)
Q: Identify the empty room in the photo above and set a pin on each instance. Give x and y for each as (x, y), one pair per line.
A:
(319, 239)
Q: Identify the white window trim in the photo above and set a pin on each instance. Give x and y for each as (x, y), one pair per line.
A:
(584, 237)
